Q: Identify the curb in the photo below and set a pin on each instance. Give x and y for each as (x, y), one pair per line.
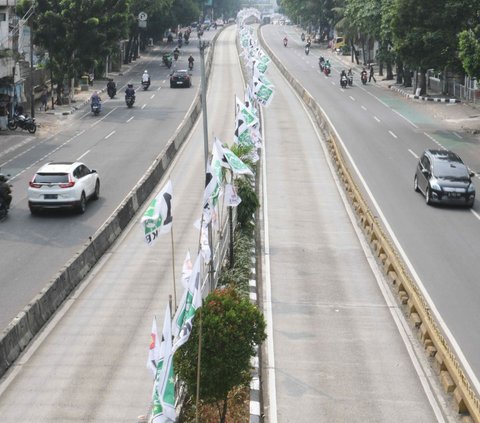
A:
(424, 98)
(255, 394)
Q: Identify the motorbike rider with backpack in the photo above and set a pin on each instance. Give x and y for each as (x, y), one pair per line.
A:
(190, 62)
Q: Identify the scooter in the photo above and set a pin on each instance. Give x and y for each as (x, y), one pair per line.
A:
(111, 91)
(145, 85)
(364, 77)
(343, 81)
(307, 50)
(350, 80)
(129, 100)
(285, 42)
(326, 70)
(303, 37)
(96, 108)
(321, 64)
(190, 66)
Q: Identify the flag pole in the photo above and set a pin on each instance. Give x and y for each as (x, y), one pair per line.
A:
(173, 269)
(199, 361)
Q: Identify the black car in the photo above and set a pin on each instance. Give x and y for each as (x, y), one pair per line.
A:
(180, 78)
(442, 177)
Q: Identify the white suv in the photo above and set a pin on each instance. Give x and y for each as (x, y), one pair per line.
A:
(63, 185)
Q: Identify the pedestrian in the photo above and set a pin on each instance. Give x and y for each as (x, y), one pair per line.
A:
(372, 76)
(43, 100)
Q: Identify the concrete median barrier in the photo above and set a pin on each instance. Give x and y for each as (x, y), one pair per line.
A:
(23, 328)
(450, 372)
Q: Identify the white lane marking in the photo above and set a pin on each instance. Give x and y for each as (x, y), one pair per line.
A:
(82, 156)
(143, 107)
(457, 135)
(392, 134)
(413, 154)
(352, 98)
(128, 120)
(475, 214)
(389, 107)
(377, 119)
(153, 95)
(158, 89)
(434, 140)
(103, 117)
(364, 108)
(109, 135)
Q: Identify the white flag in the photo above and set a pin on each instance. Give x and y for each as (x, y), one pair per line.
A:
(186, 270)
(231, 161)
(191, 301)
(154, 351)
(232, 199)
(157, 219)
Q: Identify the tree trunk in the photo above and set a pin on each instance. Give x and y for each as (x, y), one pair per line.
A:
(399, 65)
(422, 82)
(128, 54)
(223, 416)
(389, 71)
(407, 77)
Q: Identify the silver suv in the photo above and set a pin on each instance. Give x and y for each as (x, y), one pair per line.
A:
(63, 185)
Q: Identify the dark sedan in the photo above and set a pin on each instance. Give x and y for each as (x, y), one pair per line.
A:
(180, 78)
(442, 177)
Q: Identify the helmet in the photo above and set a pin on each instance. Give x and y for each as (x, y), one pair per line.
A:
(145, 71)
(130, 85)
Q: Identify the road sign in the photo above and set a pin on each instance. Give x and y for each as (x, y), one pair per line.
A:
(142, 16)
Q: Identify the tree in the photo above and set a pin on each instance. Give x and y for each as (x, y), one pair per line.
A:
(78, 34)
(469, 53)
(231, 328)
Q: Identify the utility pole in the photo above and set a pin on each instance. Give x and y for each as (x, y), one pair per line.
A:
(32, 96)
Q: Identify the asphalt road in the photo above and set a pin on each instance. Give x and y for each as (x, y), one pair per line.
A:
(120, 144)
(384, 136)
(89, 364)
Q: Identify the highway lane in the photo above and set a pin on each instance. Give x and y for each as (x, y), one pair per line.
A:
(440, 244)
(90, 362)
(339, 355)
(120, 144)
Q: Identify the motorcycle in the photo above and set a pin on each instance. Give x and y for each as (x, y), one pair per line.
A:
(23, 122)
(175, 55)
(350, 80)
(111, 91)
(190, 65)
(145, 85)
(364, 77)
(285, 42)
(343, 81)
(5, 202)
(129, 100)
(96, 108)
(326, 70)
(307, 50)
(321, 64)
(167, 60)
(303, 37)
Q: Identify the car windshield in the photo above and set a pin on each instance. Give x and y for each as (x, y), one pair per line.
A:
(51, 178)
(450, 170)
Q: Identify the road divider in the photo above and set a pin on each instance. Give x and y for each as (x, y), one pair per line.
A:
(450, 372)
(23, 328)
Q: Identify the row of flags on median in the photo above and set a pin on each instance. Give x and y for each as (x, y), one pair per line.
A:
(224, 166)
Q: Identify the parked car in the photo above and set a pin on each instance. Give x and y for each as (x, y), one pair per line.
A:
(59, 185)
(442, 177)
(180, 78)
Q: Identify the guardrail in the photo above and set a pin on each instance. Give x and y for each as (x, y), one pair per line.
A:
(23, 328)
(447, 365)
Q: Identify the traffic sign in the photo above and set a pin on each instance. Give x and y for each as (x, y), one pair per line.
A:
(142, 16)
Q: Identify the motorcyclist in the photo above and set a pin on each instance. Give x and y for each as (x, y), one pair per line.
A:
(5, 191)
(176, 53)
(285, 41)
(129, 91)
(363, 75)
(96, 100)
(343, 77)
(146, 77)
(190, 62)
(111, 86)
(303, 36)
(321, 61)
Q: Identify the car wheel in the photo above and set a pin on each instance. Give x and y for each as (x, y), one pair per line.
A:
(33, 211)
(96, 193)
(428, 198)
(82, 205)
(415, 184)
